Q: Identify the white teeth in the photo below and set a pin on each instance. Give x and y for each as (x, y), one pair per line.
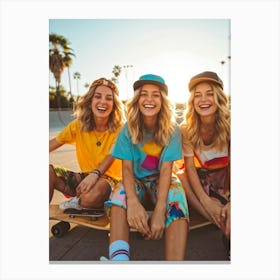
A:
(204, 106)
(101, 109)
(149, 106)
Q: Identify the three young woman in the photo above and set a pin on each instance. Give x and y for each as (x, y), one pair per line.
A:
(147, 145)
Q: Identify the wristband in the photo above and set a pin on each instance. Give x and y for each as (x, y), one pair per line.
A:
(97, 172)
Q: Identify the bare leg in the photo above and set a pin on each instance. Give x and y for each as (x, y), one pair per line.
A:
(96, 197)
(176, 240)
(58, 184)
(191, 197)
(119, 228)
(52, 177)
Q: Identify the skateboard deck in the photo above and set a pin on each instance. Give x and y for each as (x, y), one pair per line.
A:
(92, 213)
(55, 213)
(101, 220)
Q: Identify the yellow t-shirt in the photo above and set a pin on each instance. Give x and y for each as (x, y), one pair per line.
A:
(90, 155)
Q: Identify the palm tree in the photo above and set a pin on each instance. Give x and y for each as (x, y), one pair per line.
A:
(68, 62)
(77, 76)
(116, 71)
(86, 85)
(60, 56)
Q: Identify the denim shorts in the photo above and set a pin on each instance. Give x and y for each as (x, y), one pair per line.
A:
(176, 207)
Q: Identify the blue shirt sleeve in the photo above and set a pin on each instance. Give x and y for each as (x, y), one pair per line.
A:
(123, 146)
(173, 150)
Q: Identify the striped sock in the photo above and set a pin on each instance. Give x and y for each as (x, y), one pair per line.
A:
(119, 251)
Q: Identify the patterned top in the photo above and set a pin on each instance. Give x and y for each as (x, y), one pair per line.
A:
(147, 156)
(89, 154)
(212, 165)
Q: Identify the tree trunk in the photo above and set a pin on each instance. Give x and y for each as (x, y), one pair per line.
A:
(57, 95)
(70, 87)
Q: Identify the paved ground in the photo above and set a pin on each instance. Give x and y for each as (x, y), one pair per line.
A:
(84, 244)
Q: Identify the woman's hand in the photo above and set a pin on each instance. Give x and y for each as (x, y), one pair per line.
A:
(157, 223)
(137, 217)
(214, 208)
(225, 214)
(86, 184)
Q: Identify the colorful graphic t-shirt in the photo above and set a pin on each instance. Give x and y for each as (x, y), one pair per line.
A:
(212, 165)
(147, 157)
(90, 155)
(212, 169)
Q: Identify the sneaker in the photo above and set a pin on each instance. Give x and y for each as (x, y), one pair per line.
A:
(102, 258)
(71, 203)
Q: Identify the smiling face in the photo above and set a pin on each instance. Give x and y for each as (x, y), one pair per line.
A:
(102, 102)
(149, 101)
(204, 100)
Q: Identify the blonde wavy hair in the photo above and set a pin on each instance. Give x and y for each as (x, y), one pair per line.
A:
(222, 122)
(84, 114)
(165, 121)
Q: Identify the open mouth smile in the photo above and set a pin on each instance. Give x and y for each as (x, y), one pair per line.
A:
(102, 109)
(205, 106)
(148, 106)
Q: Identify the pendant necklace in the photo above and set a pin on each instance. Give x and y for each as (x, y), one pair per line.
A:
(98, 142)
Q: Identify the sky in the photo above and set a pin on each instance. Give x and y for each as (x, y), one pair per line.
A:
(175, 49)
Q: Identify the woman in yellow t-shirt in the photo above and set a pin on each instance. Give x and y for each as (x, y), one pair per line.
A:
(99, 117)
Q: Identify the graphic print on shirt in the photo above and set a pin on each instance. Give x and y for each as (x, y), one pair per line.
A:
(212, 169)
(152, 151)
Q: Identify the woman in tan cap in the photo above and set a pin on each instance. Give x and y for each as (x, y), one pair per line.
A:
(206, 143)
(99, 117)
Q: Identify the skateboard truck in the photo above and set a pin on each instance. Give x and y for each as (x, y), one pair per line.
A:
(94, 214)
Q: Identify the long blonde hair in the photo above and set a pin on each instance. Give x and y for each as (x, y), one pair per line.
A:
(84, 114)
(165, 121)
(222, 120)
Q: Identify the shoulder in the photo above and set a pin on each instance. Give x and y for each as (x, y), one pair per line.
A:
(175, 136)
(125, 127)
(176, 131)
(73, 125)
(183, 128)
(124, 131)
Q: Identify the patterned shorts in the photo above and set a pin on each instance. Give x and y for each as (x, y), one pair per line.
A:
(73, 179)
(177, 207)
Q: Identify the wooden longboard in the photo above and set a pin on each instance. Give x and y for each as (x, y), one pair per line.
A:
(103, 222)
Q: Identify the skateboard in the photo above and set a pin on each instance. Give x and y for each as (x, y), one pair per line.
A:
(93, 218)
(98, 219)
(91, 213)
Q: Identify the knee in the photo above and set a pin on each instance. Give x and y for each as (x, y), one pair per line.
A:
(96, 198)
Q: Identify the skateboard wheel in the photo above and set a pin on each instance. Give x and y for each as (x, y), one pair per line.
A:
(60, 229)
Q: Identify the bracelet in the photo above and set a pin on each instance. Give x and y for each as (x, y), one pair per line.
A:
(97, 172)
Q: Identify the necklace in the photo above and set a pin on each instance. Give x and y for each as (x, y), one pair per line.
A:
(99, 140)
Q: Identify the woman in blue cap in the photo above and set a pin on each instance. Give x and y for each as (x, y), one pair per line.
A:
(147, 145)
(206, 146)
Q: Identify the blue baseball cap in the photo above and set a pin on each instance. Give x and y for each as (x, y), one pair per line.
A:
(151, 79)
